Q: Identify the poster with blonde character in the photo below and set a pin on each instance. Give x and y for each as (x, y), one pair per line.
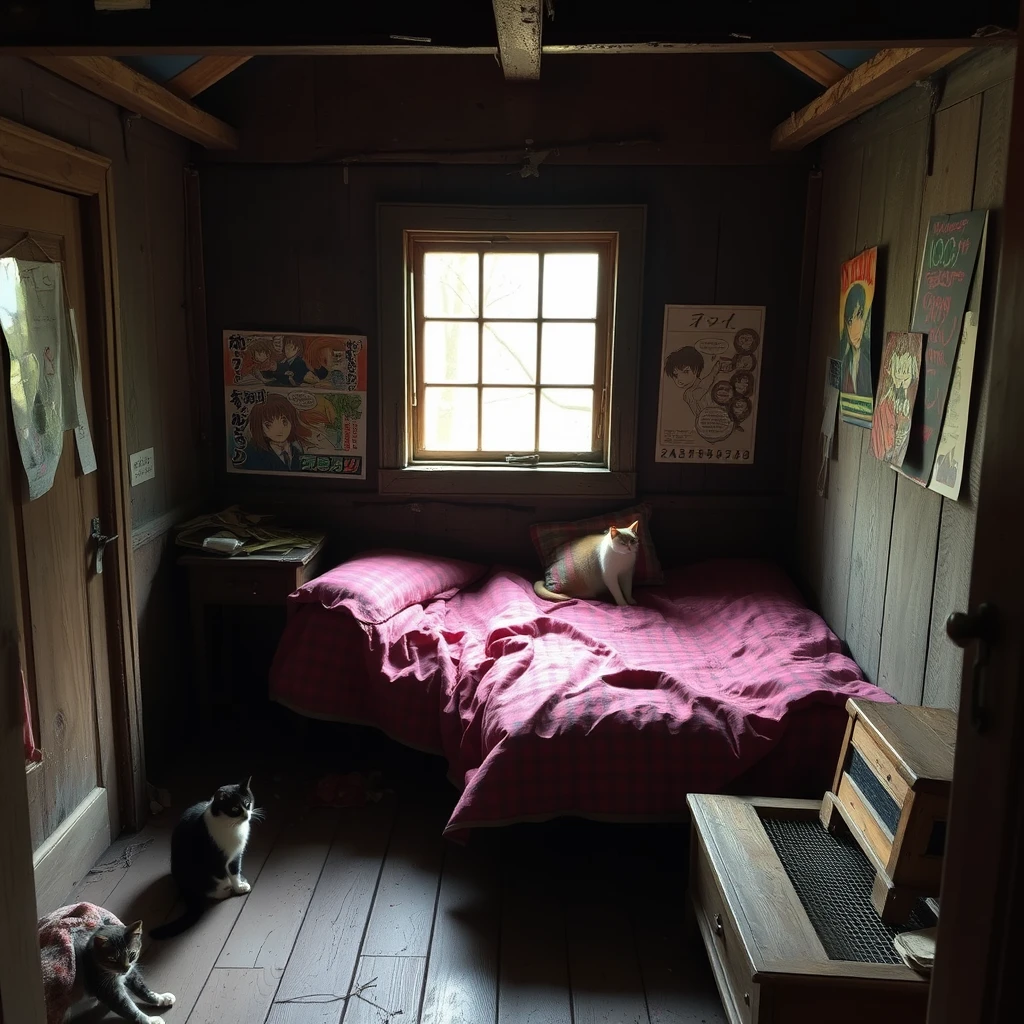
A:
(295, 403)
(710, 384)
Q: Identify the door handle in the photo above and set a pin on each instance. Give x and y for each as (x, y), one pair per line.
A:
(102, 540)
(979, 627)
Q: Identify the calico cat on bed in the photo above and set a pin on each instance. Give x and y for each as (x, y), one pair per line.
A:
(596, 565)
(206, 853)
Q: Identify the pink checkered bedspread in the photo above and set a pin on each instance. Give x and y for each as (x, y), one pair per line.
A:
(721, 680)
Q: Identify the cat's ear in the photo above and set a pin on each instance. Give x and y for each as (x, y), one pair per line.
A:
(613, 530)
(248, 783)
(635, 526)
(101, 941)
(133, 929)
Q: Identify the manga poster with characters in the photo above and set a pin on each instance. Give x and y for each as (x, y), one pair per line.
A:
(856, 296)
(295, 403)
(710, 384)
(897, 393)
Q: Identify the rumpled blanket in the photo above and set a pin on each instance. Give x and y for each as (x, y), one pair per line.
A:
(57, 953)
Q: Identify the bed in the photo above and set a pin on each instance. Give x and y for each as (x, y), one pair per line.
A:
(720, 680)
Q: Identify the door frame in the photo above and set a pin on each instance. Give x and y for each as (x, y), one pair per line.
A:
(33, 157)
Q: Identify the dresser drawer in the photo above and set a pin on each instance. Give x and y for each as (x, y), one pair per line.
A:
(245, 584)
(732, 967)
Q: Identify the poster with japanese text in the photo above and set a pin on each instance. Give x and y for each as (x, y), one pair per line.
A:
(856, 298)
(710, 384)
(951, 252)
(295, 403)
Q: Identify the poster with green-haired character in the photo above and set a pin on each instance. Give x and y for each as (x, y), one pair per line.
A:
(856, 298)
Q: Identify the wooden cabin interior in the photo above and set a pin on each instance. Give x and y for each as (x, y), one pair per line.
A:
(460, 245)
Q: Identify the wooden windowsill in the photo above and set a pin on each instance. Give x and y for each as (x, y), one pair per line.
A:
(518, 481)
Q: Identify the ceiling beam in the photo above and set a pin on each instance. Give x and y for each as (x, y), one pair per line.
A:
(198, 77)
(124, 86)
(884, 75)
(824, 70)
(519, 24)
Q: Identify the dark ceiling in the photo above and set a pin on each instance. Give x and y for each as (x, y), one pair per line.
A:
(256, 24)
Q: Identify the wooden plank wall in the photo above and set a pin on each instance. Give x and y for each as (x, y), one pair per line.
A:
(885, 559)
(148, 165)
(307, 260)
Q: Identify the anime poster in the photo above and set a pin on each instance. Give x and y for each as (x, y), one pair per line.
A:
(948, 471)
(953, 249)
(710, 384)
(295, 403)
(34, 319)
(897, 392)
(856, 297)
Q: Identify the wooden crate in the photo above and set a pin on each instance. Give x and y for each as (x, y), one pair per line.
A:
(769, 963)
(891, 793)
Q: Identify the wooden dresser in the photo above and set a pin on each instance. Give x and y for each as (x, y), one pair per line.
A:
(770, 963)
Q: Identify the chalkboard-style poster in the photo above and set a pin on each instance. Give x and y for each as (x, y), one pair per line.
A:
(856, 298)
(948, 262)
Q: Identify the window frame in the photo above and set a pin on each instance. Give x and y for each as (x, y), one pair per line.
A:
(397, 225)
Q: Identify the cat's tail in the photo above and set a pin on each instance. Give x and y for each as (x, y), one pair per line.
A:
(193, 911)
(549, 595)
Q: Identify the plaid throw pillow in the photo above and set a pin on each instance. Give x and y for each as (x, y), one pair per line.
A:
(551, 540)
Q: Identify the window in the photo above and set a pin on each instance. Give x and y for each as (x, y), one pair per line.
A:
(510, 348)
(509, 341)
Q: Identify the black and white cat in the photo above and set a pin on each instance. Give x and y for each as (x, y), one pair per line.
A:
(106, 968)
(206, 853)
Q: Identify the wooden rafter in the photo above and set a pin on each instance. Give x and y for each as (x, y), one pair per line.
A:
(124, 86)
(824, 70)
(519, 24)
(206, 71)
(884, 75)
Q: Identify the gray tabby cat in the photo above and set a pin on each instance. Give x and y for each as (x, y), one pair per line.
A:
(106, 968)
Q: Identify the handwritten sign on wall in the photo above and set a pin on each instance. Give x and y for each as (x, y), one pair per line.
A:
(950, 256)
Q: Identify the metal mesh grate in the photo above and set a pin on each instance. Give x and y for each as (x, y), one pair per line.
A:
(833, 879)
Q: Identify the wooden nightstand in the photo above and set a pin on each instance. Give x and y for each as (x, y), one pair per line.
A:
(219, 581)
(785, 957)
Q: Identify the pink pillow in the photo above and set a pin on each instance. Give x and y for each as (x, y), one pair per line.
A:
(376, 585)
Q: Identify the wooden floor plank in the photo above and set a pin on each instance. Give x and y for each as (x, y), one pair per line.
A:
(462, 971)
(534, 975)
(324, 957)
(677, 978)
(390, 989)
(266, 928)
(403, 910)
(234, 996)
(606, 984)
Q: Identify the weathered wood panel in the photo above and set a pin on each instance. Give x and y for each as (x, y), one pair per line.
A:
(308, 261)
(148, 164)
(704, 109)
(910, 551)
(906, 620)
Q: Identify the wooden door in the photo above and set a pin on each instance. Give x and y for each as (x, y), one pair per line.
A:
(60, 605)
(977, 963)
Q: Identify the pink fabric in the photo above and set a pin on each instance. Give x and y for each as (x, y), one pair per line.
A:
(57, 953)
(721, 681)
(377, 585)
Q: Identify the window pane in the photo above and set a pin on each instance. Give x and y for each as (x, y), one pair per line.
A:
(450, 419)
(510, 283)
(450, 352)
(566, 419)
(508, 419)
(567, 354)
(451, 283)
(570, 284)
(510, 353)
